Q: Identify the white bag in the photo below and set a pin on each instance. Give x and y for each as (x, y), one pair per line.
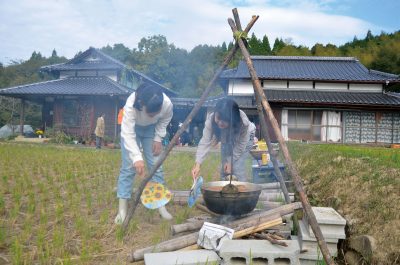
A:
(211, 235)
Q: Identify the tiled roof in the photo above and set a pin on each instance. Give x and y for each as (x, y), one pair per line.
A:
(340, 69)
(70, 86)
(94, 59)
(323, 97)
(91, 59)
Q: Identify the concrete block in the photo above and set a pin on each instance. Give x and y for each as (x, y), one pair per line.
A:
(310, 244)
(308, 256)
(190, 257)
(261, 252)
(327, 215)
(331, 222)
(309, 262)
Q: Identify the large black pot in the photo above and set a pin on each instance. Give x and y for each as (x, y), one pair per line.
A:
(238, 203)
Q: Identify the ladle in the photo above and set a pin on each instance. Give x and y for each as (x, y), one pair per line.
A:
(229, 188)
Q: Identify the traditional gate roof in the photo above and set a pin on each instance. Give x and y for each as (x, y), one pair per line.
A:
(336, 69)
(99, 85)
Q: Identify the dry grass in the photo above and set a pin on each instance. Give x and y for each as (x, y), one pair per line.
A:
(57, 205)
(363, 184)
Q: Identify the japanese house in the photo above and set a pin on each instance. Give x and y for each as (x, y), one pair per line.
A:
(326, 99)
(88, 85)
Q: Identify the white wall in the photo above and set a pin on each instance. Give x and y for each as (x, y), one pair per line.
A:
(300, 85)
(331, 86)
(245, 87)
(366, 87)
(240, 87)
(278, 84)
(110, 74)
(64, 74)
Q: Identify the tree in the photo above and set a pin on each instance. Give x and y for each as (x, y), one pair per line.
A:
(266, 47)
(328, 50)
(369, 36)
(278, 45)
(254, 45)
(223, 47)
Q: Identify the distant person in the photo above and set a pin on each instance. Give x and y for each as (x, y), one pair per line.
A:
(147, 113)
(99, 131)
(229, 126)
(119, 119)
(196, 135)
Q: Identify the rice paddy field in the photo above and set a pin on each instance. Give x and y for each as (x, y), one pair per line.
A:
(58, 203)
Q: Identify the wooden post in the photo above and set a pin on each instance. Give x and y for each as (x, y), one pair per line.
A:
(185, 124)
(292, 169)
(264, 128)
(22, 117)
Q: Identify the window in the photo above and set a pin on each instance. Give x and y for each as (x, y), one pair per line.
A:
(304, 125)
(372, 127)
(313, 125)
(70, 114)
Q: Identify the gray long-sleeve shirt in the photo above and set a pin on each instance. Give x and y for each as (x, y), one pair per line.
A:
(240, 140)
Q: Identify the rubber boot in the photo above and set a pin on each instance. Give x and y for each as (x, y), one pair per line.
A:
(122, 210)
(164, 213)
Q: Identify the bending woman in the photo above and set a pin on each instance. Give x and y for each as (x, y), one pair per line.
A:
(147, 113)
(230, 126)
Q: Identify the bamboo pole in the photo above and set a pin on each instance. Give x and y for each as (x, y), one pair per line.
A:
(264, 128)
(292, 169)
(185, 124)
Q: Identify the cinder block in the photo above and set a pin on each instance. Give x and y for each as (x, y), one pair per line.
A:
(311, 257)
(330, 222)
(261, 252)
(310, 244)
(312, 248)
(308, 262)
(190, 257)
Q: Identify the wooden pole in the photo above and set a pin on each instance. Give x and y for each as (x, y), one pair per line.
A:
(185, 124)
(264, 128)
(292, 169)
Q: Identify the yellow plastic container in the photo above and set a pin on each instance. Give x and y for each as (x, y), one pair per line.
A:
(262, 145)
(264, 159)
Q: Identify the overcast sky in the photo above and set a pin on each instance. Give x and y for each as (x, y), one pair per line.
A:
(70, 26)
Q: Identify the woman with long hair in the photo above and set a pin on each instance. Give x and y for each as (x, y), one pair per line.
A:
(231, 127)
(147, 113)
